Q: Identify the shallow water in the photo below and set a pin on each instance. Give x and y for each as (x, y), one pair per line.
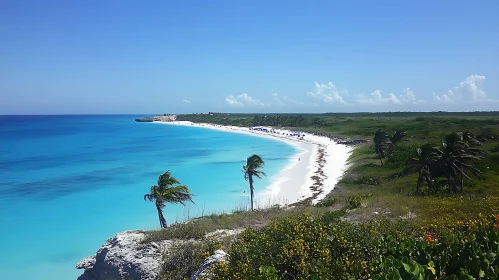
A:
(67, 183)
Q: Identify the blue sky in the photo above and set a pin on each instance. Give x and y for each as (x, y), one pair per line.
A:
(60, 57)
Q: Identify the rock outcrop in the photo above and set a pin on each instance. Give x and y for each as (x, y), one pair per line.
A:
(204, 268)
(127, 257)
(124, 257)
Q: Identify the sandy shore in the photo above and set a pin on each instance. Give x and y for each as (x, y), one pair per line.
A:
(311, 173)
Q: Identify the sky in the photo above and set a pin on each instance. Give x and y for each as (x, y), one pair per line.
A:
(119, 57)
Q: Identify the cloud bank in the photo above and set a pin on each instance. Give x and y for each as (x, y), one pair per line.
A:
(469, 90)
(243, 100)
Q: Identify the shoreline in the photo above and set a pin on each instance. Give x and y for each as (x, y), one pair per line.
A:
(311, 173)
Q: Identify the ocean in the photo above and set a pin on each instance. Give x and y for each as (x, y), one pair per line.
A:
(67, 183)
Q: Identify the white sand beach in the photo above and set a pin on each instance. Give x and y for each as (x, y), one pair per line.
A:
(312, 173)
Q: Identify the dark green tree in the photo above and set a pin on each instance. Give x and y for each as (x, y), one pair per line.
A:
(167, 190)
(252, 168)
(380, 144)
(455, 157)
(425, 157)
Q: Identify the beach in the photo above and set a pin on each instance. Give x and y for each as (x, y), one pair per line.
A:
(312, 172)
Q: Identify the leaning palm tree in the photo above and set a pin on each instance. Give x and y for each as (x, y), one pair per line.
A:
(425, 158)
(253, 164)
(380, 138)
(470, 139)
(455, 157)
(397, 136)
(394, 140)
(168, 190)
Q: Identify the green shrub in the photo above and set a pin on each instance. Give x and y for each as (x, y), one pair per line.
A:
(368, 180)
(400, 155)
(328, 202)
(354, 201)
(184, 258)
(327, 248)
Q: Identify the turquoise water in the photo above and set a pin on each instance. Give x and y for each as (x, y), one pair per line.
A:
(67, 183)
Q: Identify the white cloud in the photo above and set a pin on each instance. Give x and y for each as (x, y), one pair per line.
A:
(186, 101)
(246, 99)
(243, 100)
(285, 100)
(375, 97)
(231, 100)
(446, 97)
(328, 93)
(467, 90)
(409, 97)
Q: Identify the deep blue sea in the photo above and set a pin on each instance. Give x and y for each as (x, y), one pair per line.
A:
(67, 183)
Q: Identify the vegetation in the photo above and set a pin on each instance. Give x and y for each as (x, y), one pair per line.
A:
(252, 168)
(380, 144)
(450, 161)
(184, 258)
(167, 190)
(422, 204)
(302, 247)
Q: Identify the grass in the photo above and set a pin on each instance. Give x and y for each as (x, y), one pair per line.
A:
(199, 227)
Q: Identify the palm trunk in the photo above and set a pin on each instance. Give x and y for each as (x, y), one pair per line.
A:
(162, 220)
(462, 179)
(448, 183)
(429, 182)
(251, 190)
(419, 182)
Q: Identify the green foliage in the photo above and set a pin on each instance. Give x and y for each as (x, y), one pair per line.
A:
(328, 202)
(252, 168)
(495, 149)
(354, 201)
(198, 228)
(168, 190)
(302, 247)
(400, 156)
(184, 258)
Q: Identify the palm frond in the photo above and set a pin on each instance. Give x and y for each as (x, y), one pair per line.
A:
(177, 194)
(166, 179)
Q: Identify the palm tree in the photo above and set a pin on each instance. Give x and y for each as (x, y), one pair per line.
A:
(393, 140)
(168, 190)
(253, 164)
(380, 144)
(397, 137)
(425, 158)
(455, 157)
(470, 139)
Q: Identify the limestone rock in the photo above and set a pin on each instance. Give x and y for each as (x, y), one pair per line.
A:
(204, 268)
(124, 257)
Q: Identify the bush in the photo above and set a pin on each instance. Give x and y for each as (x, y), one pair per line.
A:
(327, 202)
(354, 201)
(368, 180)
(401, 154)
(327, 248)
(184, 258)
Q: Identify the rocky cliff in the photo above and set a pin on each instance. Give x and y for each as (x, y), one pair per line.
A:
(124, 257)
(127, 257)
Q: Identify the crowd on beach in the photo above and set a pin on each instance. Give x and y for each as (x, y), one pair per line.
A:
(271, 130)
